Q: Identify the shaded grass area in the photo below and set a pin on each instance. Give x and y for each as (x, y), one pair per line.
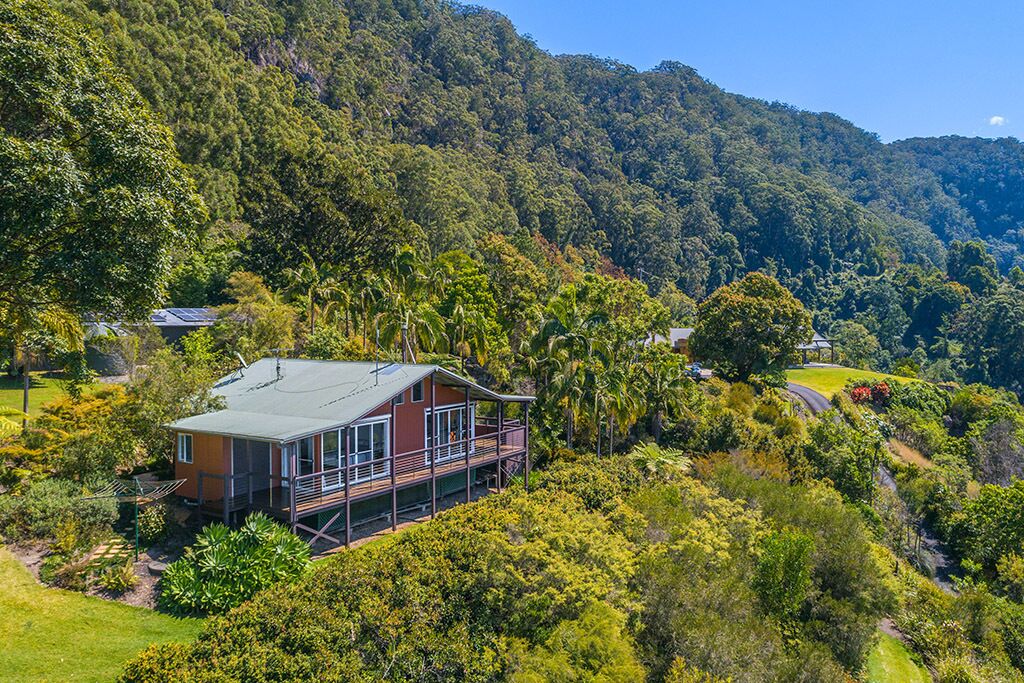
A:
(47, 634)
(42, 390)
(891, 662)
(830, 381)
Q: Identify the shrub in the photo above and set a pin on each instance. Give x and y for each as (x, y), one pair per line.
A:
(225, 568)
(860, 394)
(921, 397)
(119, 578)
(881, 393)
(38, 511)
(153, 523)
(783, 576)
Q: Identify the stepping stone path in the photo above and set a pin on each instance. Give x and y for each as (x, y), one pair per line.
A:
(113, 549)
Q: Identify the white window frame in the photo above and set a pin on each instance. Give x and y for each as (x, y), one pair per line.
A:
(379, 470)
(332, 482)
(184, 439)
(449, 453)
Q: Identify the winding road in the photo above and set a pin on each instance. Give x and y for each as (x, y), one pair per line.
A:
(818, 403)
(933, 553)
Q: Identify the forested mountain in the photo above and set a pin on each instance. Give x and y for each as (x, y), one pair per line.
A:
(336, 127)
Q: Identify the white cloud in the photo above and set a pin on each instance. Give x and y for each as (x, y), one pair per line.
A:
(997, 121)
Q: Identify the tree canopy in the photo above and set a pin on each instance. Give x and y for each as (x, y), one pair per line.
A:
(751, 326)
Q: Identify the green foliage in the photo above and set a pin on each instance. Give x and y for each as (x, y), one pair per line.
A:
(256, 323)
(994, 523)
(168, 388)
(154, 522)
(92, 196)
(783, 577)
(596, 648)
(40, 509)
(225, 568)
(119, 578)
(752, 326)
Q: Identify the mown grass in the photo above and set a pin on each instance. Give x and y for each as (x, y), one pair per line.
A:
(48, 634)
(891, 662)
(830, 381)
(42, 390)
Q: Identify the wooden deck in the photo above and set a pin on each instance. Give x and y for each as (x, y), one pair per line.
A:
(313, 492)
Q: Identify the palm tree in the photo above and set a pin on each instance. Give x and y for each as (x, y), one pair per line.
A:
(402, 304)
(312, 283)
(58, 322)
(467, 334)
(566, 339)
(668, 390)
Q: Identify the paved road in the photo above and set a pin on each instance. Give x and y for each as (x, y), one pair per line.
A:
(815, 401)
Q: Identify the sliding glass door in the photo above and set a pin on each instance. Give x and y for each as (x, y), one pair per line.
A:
(450, 427)
(368, 442)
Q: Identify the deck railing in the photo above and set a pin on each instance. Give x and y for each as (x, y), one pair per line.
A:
(272, 492)
(371, 476)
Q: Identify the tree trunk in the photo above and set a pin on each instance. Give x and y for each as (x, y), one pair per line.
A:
(568, 430)
(611, 435)
(656, 426)
(26, 385)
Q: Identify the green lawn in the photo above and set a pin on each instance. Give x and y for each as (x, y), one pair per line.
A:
(829, 381)
(890, 662)
(43, 390)
(48, 634)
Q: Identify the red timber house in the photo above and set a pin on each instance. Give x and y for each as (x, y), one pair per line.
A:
(324, 445)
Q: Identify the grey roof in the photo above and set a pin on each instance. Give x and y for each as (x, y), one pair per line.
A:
(311, 396)
(675, 335)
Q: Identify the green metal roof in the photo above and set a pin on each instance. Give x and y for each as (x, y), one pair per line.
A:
(286, 399)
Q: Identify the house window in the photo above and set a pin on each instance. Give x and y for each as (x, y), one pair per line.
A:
(417, 392)
(398, 400)
(332, 459)
(449, 424)
(367, 447)
(185, 448)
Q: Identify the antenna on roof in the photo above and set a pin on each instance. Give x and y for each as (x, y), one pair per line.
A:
(241, 360)
(277, 357)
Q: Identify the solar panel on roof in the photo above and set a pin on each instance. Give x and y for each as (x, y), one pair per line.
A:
(193, 315)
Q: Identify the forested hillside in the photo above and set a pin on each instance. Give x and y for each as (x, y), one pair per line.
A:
(438, 122)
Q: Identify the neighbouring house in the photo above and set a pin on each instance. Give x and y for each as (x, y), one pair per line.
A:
(325, 445)
(106, 351)
(175, 323)
(678, 339)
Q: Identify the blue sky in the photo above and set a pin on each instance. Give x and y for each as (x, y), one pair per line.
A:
(901, 68)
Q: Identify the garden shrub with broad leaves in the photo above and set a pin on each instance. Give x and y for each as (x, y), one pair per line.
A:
(225, 568)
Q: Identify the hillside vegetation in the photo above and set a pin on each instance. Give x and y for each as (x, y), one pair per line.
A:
(468, 128)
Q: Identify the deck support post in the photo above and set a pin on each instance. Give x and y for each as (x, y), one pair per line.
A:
(394, 482)
(526, 446)
(466, 427)
(433, 447)
(497, 441)
(293, 463)
(348, 492)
